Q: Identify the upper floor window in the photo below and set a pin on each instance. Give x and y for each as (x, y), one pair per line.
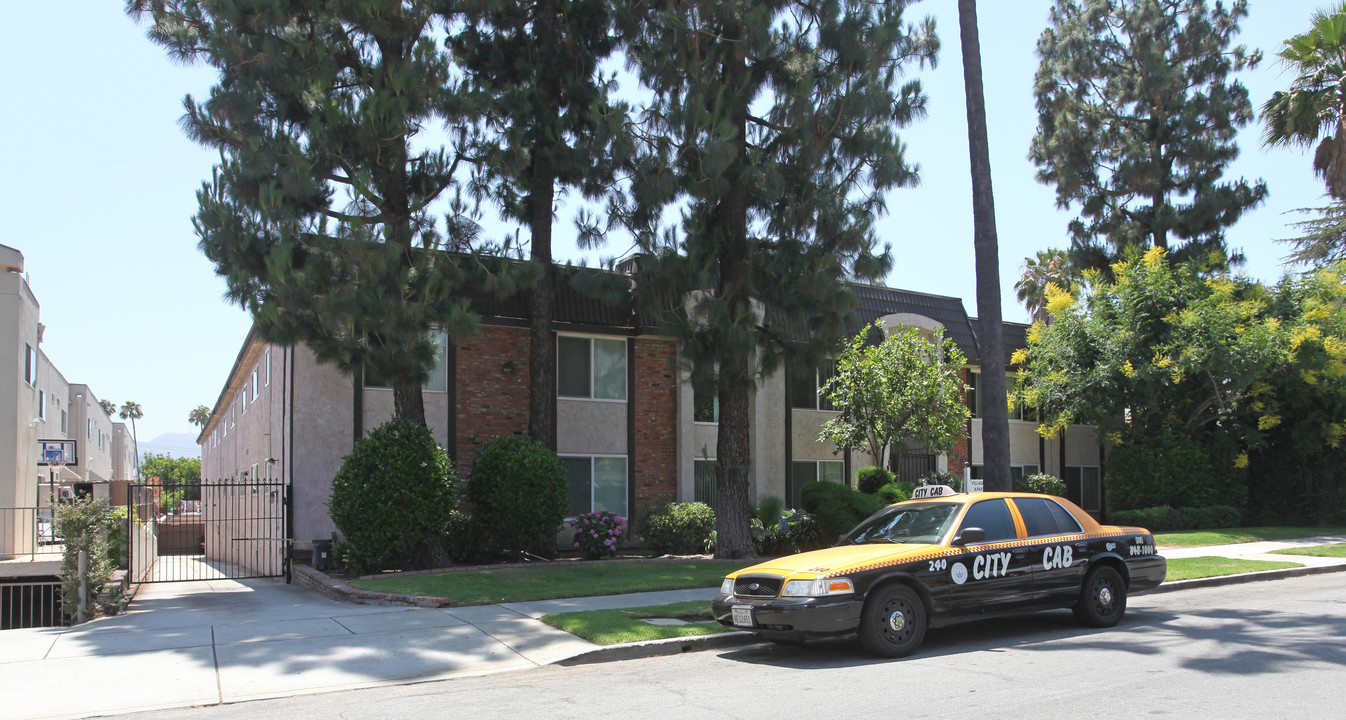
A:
(267, 375)
(437, 380)
(41, 404)
(29, 364)
(806, 386)
(243, 399)
(254, 385)
(705, 397)
(591, 368)
(1017, 410)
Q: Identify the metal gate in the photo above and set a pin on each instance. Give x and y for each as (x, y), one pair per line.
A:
(229, 529)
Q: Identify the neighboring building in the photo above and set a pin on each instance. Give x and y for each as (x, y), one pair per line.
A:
(631, 430)
(37, 403)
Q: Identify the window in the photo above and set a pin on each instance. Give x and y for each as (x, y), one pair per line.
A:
(806, 385)
(1082, 487)
(596, 483)
(1017, 472)
(41, 404)
(64, 420)
(804, 472)
(436, 381)
(591, 368)
(1046, 517)
(29, 364)
(973, 396)
(267, 377)
(993, 517)
(88, 428)
(254, 385)
(703, 482)
(705, 397)
(243, 399)
(1017, 410)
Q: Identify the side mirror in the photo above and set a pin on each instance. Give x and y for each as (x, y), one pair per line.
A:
(968, 536)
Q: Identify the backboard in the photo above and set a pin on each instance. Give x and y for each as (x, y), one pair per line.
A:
(56, 452)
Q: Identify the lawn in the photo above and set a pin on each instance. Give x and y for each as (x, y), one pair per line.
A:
(1202, 567)
(1230, 536)
(540, 582)
(609, 627)
(1336, 551)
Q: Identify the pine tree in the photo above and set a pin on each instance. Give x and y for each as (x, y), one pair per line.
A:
(318, 214)
(1136, 122)
(771, 128)
(541, 106)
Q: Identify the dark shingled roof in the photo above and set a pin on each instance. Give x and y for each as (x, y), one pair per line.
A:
(1014, 336)
(875, 301)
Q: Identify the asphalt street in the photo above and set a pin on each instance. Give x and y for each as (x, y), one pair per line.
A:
(1263, 649)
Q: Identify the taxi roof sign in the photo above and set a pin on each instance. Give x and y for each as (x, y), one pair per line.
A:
(932, 491)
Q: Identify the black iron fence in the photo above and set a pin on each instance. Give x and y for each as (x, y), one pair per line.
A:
(233, 529)
(30, 603)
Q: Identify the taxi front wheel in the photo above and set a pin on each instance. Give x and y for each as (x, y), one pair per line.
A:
(893, 622)
(1102, 599)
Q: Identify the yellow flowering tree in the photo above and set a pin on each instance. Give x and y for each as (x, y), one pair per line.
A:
(1162, 359)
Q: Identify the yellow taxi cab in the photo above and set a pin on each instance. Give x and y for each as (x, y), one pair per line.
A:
(942, 558)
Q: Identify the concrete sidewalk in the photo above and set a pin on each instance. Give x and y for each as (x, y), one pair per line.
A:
(205, 643)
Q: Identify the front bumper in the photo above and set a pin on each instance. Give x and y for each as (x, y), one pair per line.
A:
(792, 617)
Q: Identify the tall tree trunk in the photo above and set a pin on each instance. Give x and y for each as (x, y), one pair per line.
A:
(733, 531)
(995, 414)
(542, 193)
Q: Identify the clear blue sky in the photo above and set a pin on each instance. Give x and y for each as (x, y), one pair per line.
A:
(99, 181)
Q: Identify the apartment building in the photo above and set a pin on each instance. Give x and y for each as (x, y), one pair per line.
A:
(632, 431)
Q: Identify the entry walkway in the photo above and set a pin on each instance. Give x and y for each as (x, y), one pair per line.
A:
(204, 643)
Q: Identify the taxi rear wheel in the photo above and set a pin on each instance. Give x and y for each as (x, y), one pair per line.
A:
(893, 622)
(1102, 599)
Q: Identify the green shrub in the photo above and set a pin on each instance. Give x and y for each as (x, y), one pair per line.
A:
(84, 525)
(1166, 519)
(677, 528)
(793, 532)
(895, 492)
(392, 497)
(518, 486)
(1169, 469)
(870, 479)
(466, 541)
(837, 508)
(943, 477)
(118, 540)
(1041, 483)
(768, 510)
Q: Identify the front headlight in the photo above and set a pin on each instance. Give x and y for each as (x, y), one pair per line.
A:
(818, 588)
(727, 587)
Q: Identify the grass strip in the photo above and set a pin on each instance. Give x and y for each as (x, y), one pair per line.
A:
(624, 625)
(1231, 536)
(1203, 567)
(1333, 551)
(540, 582)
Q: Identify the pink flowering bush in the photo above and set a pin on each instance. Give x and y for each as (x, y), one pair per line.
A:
(597, 533)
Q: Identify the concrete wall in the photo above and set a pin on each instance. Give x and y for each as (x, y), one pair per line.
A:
(92, 428)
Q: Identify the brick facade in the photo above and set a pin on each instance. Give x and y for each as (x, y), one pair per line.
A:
(492, 400)
(655, 404)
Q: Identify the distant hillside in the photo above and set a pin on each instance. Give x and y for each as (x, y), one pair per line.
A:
(173, 444)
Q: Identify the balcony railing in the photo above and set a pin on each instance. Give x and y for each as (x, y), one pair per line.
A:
(27, 533)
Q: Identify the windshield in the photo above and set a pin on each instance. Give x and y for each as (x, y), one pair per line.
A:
(915, 523)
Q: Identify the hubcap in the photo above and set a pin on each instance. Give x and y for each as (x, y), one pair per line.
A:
(1105, 596)
(897, 621)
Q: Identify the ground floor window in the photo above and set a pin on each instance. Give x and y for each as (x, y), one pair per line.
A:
(703, 482)
(1083, 487)
(803, 472)
(596, 483)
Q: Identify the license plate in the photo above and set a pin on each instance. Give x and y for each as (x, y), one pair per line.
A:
(742, 615)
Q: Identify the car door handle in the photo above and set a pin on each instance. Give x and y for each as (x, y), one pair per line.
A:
(1020, 554)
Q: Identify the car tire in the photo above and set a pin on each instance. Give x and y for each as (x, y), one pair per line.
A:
(893, 622)
(1102, 598)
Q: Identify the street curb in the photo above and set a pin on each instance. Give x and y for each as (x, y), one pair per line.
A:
(659, 648)
(1240, 578)
(677, 646)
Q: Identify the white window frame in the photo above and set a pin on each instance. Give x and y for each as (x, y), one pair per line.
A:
(42, 405)
(254, 385)
(267, 375)
(365, 383)
(626, 495)
(593, 368)
(243, 398)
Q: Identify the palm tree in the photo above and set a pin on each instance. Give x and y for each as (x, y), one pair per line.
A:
(1315, 105)
(1050, 266)
(109, 407)
(995, 413)
(199, 416)
(131, 411)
